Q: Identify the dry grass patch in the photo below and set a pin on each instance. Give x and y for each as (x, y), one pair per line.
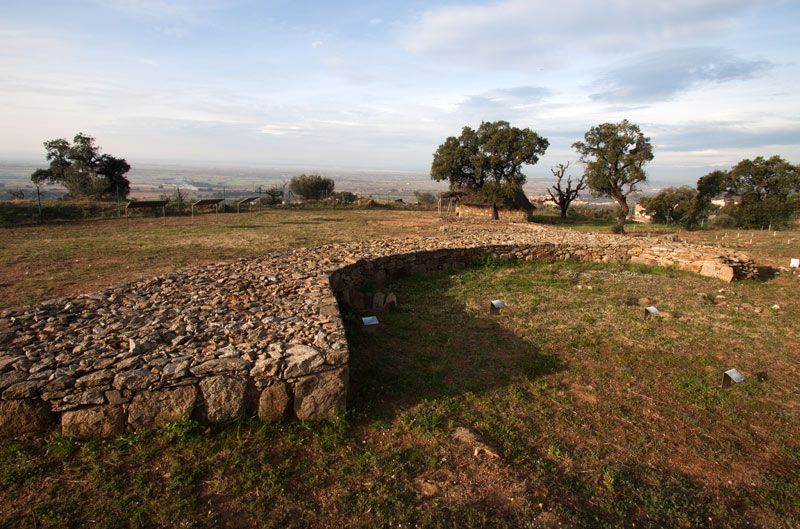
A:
(42, 262)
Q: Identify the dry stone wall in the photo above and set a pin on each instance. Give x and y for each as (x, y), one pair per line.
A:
(483, 211)
(261, 335)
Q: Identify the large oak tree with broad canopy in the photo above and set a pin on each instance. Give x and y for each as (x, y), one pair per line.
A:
(614, 155)
(488, 162)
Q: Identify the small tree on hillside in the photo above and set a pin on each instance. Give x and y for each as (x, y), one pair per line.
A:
(83, 170)
(673, 204)
(425, 199)
(708, 187)
(275, 193)
(311, 187)
(564, 197)
(614, 155)
(488, 162)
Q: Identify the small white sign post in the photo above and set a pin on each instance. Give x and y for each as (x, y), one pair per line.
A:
(649, 312)
(495, 306)
(370, 324)
(730, 377)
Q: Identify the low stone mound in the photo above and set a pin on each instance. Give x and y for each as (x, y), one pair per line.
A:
(261, 335)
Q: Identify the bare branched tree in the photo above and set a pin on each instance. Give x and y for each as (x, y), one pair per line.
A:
(564, 197)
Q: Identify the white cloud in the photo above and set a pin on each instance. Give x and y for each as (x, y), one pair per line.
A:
(661, 75)
(520, 34)
(279, 130)
(375, 21)
(316, 44)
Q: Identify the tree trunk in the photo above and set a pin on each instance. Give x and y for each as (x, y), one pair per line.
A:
(623, 214)
(495, 215)
(564, 211)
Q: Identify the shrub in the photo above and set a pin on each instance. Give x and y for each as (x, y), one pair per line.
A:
(311, 187)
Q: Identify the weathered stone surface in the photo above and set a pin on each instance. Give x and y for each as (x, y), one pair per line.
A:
(178, 368)
(329, 310)
(150, 408)
(391, 303)
(97, 378)
(219, 366)
(11, 378)
(96, 422)
(86, 398)
(7, 361)
(275, 402)
(21, 390)
(302, 360)
(115, 397)
(223, 398)
(265, 368)
(321, 396)
(135, 379)
(708, 269)
(21, 418)
(58, 384)
(726, 273)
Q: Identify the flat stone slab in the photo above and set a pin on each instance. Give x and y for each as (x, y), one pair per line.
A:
(263, 333)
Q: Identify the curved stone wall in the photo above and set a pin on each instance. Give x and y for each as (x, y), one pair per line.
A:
(261, 335)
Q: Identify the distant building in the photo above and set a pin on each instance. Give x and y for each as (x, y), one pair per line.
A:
(640, 214)
(722, 202)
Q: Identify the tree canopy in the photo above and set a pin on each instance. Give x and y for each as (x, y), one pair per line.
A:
(762, 186)
(488, 161)
(673, 204)
(311, 187)
(82, 169)
(614, 155)
(760, 179)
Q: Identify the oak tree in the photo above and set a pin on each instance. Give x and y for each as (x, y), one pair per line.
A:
(614, 155)
(487, 162)
(82, 170)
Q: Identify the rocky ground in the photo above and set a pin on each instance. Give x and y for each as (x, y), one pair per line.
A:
(261, 334)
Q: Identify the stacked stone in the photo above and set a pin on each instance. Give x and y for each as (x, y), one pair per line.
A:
(258, 335)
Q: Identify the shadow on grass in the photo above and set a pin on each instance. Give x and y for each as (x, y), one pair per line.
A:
(432, 347)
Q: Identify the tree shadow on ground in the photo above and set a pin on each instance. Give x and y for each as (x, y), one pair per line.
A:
(432, 346)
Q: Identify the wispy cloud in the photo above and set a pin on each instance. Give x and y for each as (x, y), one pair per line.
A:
(662, 75)
(504, 99)
(279, 130)
(703, 136)
(523, 34)
(192, 11)
(348, 69)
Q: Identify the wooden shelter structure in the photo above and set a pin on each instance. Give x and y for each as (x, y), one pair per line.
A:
(146, 204)
(205, 202)
(249, 201)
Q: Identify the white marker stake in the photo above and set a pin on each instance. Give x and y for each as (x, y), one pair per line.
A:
(495, 306)
(370, 324)
(650, 312)
(730, 377)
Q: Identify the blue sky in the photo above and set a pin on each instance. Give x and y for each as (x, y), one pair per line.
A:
(382, 84)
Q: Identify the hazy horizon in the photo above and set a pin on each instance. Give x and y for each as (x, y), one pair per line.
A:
(379, 85)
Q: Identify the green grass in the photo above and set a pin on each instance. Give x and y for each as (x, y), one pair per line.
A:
(599, 418)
